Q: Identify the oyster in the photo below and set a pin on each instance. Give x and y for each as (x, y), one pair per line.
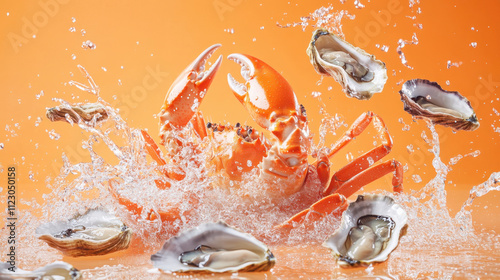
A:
(426, 99)
(370, 230)
(56, 270)
(359, 73)
(213, 247)
(96, 232)
(86, 112)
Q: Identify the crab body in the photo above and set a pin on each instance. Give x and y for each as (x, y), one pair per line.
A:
(282, 159)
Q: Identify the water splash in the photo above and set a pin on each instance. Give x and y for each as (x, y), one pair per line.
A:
(323, 17)
(84, 185)
(401, 44)
(464, 216)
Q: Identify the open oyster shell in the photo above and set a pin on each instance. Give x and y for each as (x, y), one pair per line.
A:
(96, 232)
(213, 247)
(426, 99)
(359, 73)
(56, 270)
(369, 231)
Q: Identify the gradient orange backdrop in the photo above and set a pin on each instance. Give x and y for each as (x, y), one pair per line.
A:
(142, 46)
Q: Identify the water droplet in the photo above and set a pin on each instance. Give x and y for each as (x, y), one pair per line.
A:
(73, 56)
(119, 82)
(349, 157)
(83, 32)
(262, 28)
(450, 64)
(195, 105)
(410, 149)
(53, 135)
(39, 95)
(447, 82)
(416, 178)
(73, 19)
(370, 161)
(2, 146)
(38, 121)
(31, 176)
(249, 163)
(473, 44)
(104, 69)
(316, 94)
(358, 4)
(88, 45)
(72, 29)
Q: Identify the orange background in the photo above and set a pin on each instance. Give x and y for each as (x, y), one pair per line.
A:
(134, 39)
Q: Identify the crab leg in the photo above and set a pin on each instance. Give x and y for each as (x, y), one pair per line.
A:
(332, 204)
(356, 174)
(136, 209)
(355, 183)
(154, 151)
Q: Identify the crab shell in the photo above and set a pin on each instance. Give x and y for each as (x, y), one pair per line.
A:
(218, 236)
(367, 205)
(426, 99)
(55, 270)
(98, 233)
(323, 42)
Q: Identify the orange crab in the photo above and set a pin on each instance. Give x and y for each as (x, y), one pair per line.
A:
(282, 160)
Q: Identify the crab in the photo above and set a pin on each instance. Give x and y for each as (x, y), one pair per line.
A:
(283, 159)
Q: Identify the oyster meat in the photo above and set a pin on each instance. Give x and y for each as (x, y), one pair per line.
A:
(359, 73)
(56, 270)
(370, 230)
(213, 247)
(97, 232)
(426, 99)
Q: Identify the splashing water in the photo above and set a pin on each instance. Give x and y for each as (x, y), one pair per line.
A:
(245, 205)
(323, 18)
(401, 44)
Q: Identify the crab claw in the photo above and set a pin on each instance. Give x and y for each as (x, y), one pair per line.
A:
(187, 91)
(271, 102)
(265, 93)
